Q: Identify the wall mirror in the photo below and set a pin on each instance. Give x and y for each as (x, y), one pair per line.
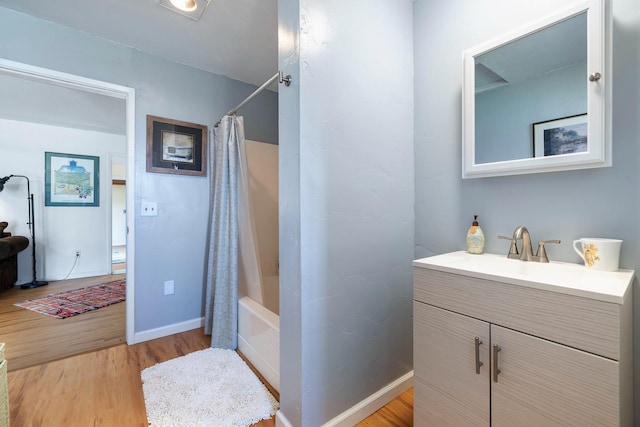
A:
(536, 99)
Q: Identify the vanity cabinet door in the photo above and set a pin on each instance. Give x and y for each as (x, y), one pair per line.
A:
(542, 383)
(447, 389)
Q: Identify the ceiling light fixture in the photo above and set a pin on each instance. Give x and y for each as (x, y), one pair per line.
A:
(190, 8)
(185, 5)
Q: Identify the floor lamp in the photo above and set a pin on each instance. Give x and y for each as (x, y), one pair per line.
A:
(32, 228)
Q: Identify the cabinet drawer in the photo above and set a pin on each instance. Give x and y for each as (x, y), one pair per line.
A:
(583, 323)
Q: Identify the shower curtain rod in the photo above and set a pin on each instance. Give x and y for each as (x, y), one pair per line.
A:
(277, 76)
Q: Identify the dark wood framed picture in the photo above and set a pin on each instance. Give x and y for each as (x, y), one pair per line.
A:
(176, 147)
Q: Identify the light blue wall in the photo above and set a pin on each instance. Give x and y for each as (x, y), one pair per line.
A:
(346, 207)
(291, 363)
(170, 246)
(560, 205)
(504, 114)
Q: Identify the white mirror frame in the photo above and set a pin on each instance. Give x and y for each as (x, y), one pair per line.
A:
(598, 99)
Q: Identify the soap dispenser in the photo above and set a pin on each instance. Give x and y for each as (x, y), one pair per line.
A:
(475, 237)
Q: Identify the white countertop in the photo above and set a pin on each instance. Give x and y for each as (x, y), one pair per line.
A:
(559, 277)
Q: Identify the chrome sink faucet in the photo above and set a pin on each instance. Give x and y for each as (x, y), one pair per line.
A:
(526, 252)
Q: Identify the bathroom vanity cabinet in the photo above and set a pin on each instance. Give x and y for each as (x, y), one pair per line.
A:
(501, 342)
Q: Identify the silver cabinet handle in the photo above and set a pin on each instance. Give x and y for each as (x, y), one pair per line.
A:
(478, 362)
(496, 371)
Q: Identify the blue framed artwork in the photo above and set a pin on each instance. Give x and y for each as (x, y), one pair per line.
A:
(71, 180)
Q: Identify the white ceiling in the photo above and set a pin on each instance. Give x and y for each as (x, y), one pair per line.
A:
(233, 38)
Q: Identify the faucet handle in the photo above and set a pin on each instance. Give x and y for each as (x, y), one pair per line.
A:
(542, 253)
(513, 249)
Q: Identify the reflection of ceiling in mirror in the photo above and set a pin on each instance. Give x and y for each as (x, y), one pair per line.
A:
(553, 48)
(487, 79)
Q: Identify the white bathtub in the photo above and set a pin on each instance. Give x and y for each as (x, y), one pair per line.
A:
(259, 339)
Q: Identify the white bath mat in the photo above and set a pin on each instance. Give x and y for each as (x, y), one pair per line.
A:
(212, 387)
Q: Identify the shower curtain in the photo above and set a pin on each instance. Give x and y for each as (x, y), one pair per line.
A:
(232, 242)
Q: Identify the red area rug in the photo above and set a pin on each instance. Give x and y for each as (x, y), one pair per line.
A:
(78, 301)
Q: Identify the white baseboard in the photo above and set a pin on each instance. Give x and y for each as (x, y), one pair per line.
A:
(164, 331)
(371, 404)
(364, 408)
(77, 275)
(281, 420)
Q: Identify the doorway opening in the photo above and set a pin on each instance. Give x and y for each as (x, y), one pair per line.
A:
(56, 81)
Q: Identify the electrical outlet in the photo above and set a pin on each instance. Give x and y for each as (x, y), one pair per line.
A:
(168, 287)
(78, 253)
(148, 208)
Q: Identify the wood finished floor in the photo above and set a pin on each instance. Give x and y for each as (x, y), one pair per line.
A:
(32, 338)
(103, 387)
(84, 360)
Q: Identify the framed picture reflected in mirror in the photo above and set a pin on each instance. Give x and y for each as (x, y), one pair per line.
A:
(560, 136)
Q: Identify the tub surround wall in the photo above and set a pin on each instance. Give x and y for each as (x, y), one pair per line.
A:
(561, 205)
(262, 166)
(258, 323)
(346, 200)
(262, 163)
(271, 290)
